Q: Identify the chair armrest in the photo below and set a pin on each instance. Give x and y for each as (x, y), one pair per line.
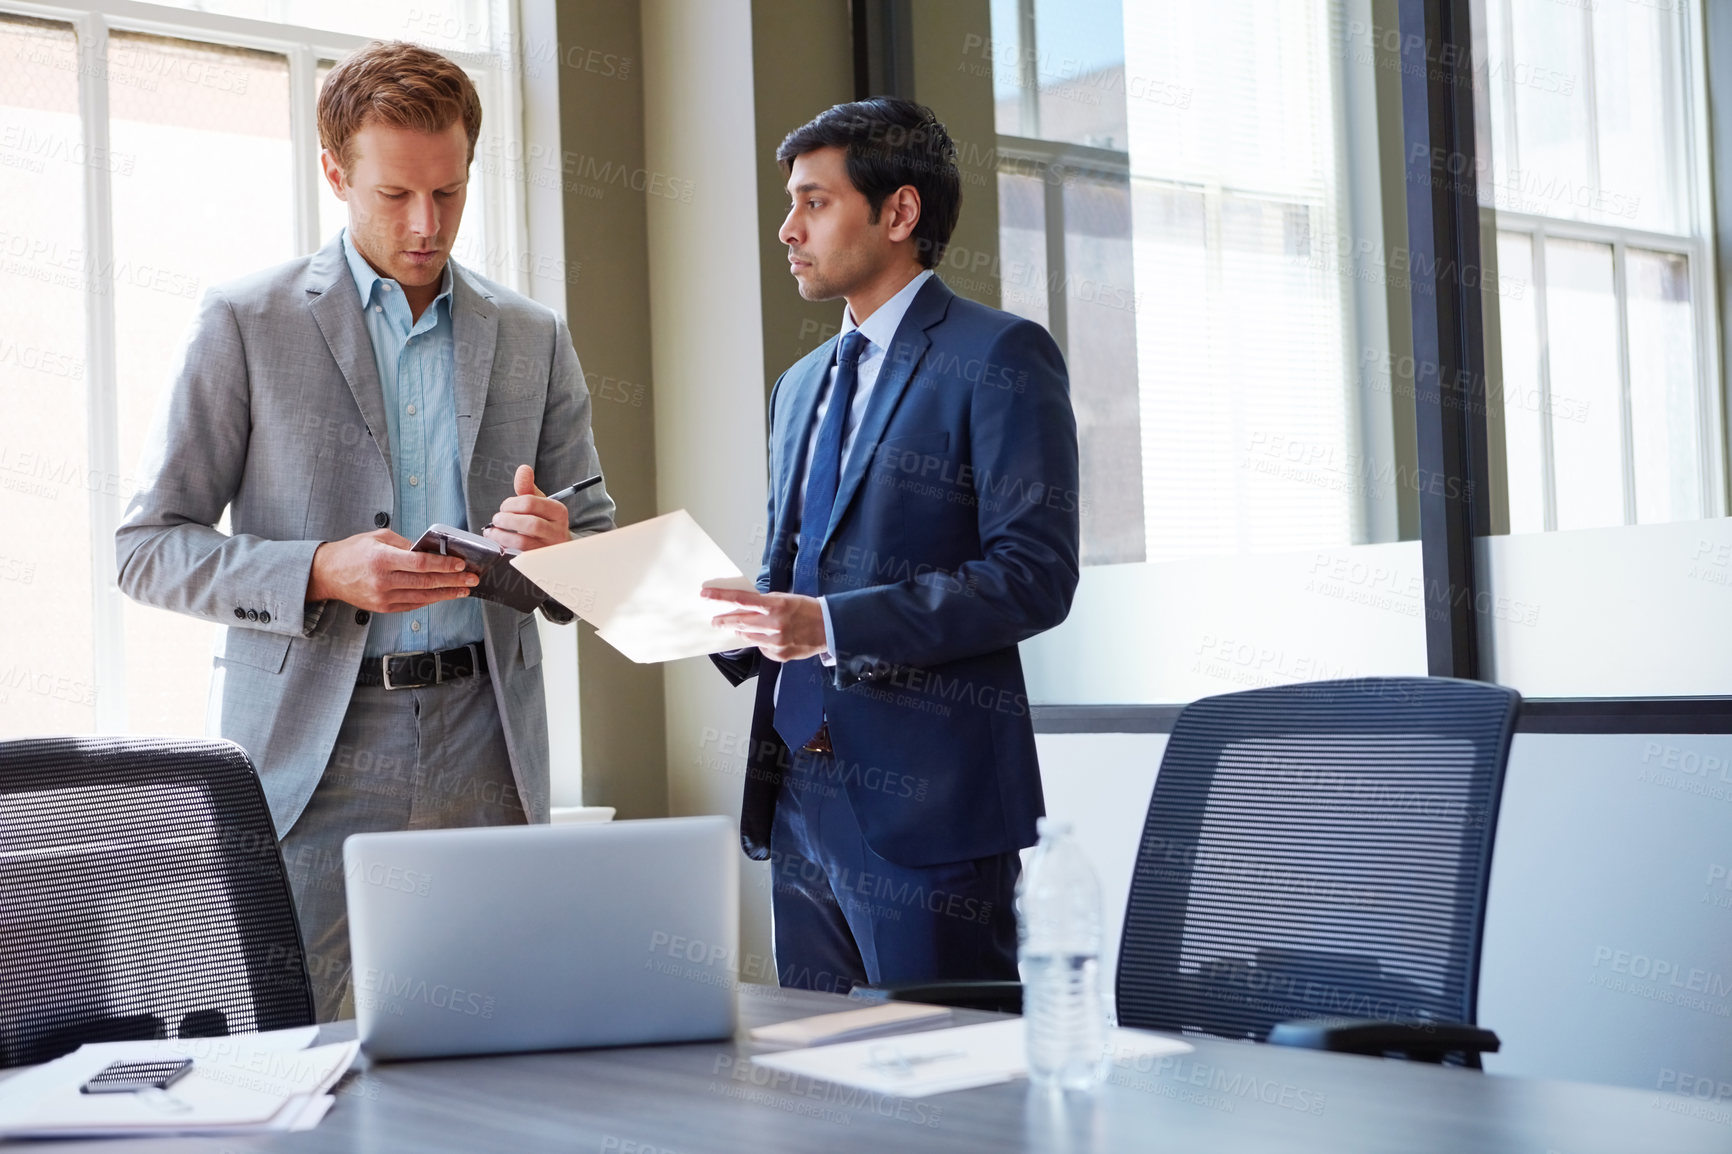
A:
(1421, 1041)
(1000, 997)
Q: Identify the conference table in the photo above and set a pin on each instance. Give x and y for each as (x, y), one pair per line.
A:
(708, 1097)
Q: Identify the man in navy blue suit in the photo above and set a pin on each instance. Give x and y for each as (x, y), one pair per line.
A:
(923, 520)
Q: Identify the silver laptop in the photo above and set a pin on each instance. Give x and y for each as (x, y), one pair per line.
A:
(479, 941)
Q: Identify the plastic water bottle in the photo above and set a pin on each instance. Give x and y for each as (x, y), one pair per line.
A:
(1058, 923)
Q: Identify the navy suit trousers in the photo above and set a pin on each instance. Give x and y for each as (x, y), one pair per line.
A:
(846, 917)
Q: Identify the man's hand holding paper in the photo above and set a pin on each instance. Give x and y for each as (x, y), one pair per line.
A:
(640, 587)
(784, 626)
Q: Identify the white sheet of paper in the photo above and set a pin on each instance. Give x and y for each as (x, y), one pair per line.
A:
(639, 586)
(239, 1084)
(216, 1049)
(939, 1061)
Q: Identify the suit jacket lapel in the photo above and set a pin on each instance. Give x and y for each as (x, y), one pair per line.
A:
(906, 348)
(336, 308)
(475, 331)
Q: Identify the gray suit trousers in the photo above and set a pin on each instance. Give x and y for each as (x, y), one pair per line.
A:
(428, 758)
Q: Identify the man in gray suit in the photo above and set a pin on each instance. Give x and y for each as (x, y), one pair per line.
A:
(336, 406)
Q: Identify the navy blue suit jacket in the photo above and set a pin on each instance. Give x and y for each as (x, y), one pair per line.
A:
(953, 537)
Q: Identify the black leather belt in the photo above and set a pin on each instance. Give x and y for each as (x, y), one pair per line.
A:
(820, 742)
(419, 670)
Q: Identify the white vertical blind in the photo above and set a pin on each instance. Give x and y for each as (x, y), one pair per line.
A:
(1247, 442)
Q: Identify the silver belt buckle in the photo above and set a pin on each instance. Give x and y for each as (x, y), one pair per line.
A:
(385, 669)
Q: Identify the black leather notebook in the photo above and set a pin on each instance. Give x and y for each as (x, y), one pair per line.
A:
(491, 562)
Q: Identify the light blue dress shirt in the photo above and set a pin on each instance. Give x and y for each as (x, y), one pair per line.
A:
(418, 372)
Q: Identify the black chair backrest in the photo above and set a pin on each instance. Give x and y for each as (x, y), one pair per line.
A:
(1317, 850)
(142, 894)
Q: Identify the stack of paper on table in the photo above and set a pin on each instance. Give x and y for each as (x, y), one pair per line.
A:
(846, 1025)
(248, 1083)
(639, 586)
(939, 1061)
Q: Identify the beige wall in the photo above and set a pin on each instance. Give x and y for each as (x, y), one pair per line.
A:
(1399, 307)
(707, 346)
(809, 65)
(953, 76)
(606, 236)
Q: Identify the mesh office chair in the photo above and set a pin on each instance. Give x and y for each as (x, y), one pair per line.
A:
(142, 895)
(1314, 867)
(1313, 870)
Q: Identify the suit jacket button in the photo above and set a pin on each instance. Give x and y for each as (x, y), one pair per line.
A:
(383, 520)
(264, 617)
(361, 615)
(241, 613)
(252, 614)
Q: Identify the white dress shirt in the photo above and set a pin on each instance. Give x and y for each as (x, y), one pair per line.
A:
(879, 329)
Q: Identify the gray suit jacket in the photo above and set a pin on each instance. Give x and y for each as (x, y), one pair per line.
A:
(277, 415)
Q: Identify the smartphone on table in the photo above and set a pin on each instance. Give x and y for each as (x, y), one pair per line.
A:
(130, 1077)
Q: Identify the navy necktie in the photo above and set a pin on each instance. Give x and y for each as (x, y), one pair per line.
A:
(800, 692)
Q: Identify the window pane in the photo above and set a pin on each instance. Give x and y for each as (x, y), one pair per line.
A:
(476, 247)
(1495, 92)
(1246, 101)
(1638, 93)
(1074, 70)
(1590, 106)
(1002, 52)
(210, 198)
(1247, 441)
(1082, 71)
(1524, 405)
(1582, 331)
(458, 24)
(1663, 410)
(333, 215)
(1186, 425)
(1551, 167)
(1101, 323)
(1281, 352)
(1022, 245)
(46, 660)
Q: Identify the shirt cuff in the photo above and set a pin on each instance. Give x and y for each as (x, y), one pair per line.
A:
(828, 657)
(311, 615)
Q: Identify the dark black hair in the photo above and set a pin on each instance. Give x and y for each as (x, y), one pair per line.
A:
(890, 142)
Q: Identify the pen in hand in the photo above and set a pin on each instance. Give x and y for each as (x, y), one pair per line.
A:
(571, 490)
(568, 491)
